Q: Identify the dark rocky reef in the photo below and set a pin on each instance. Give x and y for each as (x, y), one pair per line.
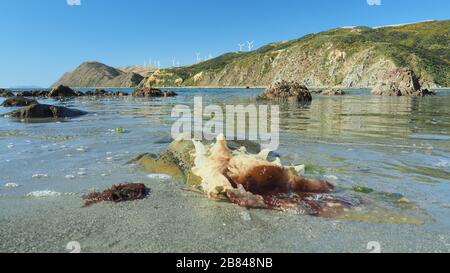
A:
(118, 193)
(104, 93)
(401, 82)
(152, 93)
(44, 111)
(34, 93)
(18, 101)
(6, 93)
(62, 91)
(286, 91)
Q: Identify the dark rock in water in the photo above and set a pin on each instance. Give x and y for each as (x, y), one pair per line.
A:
(62, 91)
(18, 102)
(118, 193)
(43, 111)
(104, 93)
(152, 92)
(33, 93)
(401, 82)
(332, 92)
(6, 93)
(284, 91)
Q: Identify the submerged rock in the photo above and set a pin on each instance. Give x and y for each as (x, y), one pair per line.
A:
(118, 193)
(332, 92)
(6, 93)
(152, 92)
(44, 111)
(18, 102)
(62, 91)
(401, 82)
(283, 91)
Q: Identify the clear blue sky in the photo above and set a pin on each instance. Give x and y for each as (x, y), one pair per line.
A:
(41, 39)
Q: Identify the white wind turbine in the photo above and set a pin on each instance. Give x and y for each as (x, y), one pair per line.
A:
(198, 57)
(250, 45)
(173, 62)
(241, 46)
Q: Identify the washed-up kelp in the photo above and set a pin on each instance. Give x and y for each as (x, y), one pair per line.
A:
(118, 193)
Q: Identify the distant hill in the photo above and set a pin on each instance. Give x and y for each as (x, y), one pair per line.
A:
(144, 71)
(346, 57)
(95, 74)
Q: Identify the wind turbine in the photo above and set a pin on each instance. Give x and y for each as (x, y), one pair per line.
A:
(198, 56)
(250, 45)
(210, 56)
(173, 61)
(241, 46)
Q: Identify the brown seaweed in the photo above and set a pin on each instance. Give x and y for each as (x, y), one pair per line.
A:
(117, 193)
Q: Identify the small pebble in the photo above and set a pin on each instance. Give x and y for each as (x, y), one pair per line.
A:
(246, 216)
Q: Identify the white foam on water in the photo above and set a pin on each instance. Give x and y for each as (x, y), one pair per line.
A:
(159, 176)
(442, 163)
(11, 185)
(39, 176)
(331, 177)
(42, 194)
(69, 176)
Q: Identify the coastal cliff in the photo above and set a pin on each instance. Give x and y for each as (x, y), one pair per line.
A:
(342, 57)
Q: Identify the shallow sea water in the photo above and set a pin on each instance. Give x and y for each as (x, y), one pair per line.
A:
(390, 144)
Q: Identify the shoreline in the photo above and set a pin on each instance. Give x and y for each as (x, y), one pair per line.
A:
(207, 87)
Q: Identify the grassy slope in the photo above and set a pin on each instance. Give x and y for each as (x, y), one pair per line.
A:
(424, 47)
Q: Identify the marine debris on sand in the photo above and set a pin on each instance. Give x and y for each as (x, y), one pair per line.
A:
(118, 193)
(239, 172)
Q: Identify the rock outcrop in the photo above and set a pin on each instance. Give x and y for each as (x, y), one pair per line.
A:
(284, 91)
(6, 93)
(44, 111)
(104, 93)
(62, 91)
(401, 82)
(152, 92)
(95, 74)
(18, 102)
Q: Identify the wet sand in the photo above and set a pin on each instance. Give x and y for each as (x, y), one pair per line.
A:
(171, 219)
